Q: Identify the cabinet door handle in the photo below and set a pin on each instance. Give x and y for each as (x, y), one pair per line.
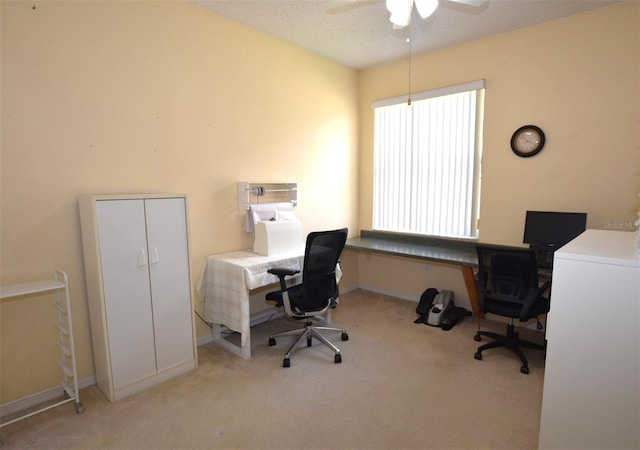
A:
(153, 256)
(142, 257)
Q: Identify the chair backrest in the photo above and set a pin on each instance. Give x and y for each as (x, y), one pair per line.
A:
(511, 275)
(322, 254)
(506, 272)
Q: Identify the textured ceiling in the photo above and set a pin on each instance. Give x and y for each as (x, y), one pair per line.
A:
(357, 33)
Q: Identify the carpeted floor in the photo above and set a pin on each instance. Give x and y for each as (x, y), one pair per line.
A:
(400, 386)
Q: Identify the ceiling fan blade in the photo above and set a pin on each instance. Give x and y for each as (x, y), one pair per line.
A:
(470, 2)
(426, 7)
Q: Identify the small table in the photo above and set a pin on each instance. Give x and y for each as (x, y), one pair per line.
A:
(224, 285)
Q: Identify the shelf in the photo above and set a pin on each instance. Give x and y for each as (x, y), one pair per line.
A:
(34, 287)
(64, 349)
(64, 330)
(65, 369)
(266, 193)
(60, 284)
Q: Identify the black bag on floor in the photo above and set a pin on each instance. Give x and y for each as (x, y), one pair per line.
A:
(424, 305)
(453, 316)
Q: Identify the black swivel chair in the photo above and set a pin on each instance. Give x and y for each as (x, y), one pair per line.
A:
(508, 286)
(317, 293)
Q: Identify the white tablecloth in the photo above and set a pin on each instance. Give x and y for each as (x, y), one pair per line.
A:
(226, 279)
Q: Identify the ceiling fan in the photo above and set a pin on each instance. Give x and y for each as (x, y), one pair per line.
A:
(401, 9)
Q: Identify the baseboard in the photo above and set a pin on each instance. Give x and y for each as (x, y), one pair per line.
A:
(204, 340)
(30, 401)
(389, 293)
(266, 315)
(344, 290)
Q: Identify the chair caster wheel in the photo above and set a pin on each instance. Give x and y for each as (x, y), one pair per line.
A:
(524, 369)
(478, 356)
(477, 338)
(79, 408)
(337, 359)
(345, 337)
(272, 342)
(309, 342)
(286, 362)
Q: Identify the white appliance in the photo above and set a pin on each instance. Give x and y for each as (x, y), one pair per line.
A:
(276, 237)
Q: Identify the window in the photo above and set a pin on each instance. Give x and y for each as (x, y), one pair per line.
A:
(427, 162)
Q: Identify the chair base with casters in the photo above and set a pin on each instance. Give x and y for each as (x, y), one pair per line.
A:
(309, 332)
(511, 340)
(316, 295)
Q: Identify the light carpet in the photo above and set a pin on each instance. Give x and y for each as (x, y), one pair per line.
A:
(400, 386)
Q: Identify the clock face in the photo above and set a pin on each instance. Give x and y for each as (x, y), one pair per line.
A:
(527, 141)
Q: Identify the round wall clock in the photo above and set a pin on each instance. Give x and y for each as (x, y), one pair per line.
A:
(527, 141)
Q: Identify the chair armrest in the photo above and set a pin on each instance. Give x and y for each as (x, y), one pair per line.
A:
(533, 296)
(281, 273)
(544, 287)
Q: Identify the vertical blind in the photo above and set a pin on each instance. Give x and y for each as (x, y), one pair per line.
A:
(426, 162)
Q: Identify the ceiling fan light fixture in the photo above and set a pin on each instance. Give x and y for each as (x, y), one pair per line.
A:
(400, 12)
(400, 19)
(395, 5)
(426, 7)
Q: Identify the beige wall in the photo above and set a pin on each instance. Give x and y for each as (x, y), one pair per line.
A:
(131, 97)
(579, 79)
(115, 97)
(580, 86)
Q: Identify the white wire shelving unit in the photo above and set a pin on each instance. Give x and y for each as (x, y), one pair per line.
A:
(60, 285)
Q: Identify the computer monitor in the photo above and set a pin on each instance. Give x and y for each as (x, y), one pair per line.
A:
(546, 231)
(551, 230)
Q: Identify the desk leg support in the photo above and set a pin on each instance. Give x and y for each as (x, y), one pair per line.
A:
(472, 290)
(243, 351)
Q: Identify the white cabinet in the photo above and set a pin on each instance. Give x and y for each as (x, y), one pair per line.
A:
(139, 289)
(591, 397)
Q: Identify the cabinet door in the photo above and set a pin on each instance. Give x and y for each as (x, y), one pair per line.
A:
(127, 296)
(170, 283)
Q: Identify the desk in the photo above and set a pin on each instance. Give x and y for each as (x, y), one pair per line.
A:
(224, 285)
(456, 252)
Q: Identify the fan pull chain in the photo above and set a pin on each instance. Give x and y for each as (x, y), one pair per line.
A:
(410, 55)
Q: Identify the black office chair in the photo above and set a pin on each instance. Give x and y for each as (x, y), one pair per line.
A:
(317, 293)
(508, 286)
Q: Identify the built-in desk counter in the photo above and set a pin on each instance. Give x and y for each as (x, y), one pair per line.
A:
(448, 251)
(456, 252)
